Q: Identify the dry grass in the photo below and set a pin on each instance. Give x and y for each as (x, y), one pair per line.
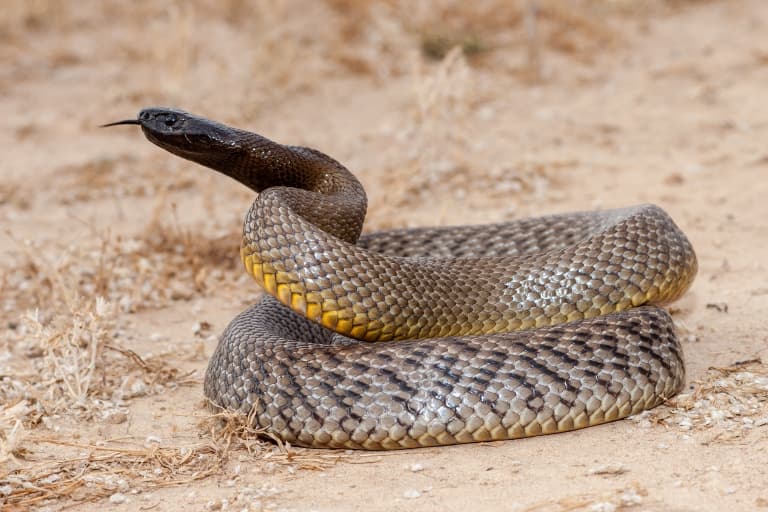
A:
(728, 404)
(102, 471)
(66, 309)
(120, 469)
(166, 263)
(69, 362)
(379, 39)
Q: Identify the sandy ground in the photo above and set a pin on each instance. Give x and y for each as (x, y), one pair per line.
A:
(604, 104)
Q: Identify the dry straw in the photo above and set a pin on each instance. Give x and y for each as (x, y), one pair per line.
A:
(66, 357)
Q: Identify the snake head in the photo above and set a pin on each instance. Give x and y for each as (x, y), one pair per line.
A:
(249, 158)
(189, 136)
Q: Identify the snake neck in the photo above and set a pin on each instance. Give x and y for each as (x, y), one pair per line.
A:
(310, 183)
(315, 186)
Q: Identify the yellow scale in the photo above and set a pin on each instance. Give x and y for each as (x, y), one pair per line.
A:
(311, 304)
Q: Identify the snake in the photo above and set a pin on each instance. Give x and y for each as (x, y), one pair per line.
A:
(431, 336)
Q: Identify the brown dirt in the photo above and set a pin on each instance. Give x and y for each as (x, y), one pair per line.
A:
(120, 267)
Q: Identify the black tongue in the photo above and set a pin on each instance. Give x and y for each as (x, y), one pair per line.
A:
(125, 121)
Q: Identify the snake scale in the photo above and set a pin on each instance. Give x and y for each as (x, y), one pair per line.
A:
(502, 331)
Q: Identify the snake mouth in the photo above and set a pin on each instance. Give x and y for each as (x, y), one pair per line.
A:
(168, 121)
(184, 134)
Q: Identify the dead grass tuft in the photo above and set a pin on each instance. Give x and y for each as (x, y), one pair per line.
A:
(726, 405)
(167, 263)
(69, 362)
(71, 365)
(100, 471)
(97, 471)
(71, 353)
(233, 431)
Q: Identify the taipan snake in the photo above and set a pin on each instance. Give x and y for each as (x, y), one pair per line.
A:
(502, 331)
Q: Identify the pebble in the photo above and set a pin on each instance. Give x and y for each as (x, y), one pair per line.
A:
(133, 387)
(214, 505)
(609, 469)
(630, 497)
(116, 417)
(411, 494)
(603, 506)
(117, 498)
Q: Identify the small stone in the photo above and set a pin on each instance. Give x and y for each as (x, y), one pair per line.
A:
(179, 292)
(132, 387)
(55, 477)
(486, 113)
(674, 179)
(116, 417)
(416, 467)
(214, 505)
(630, 497)
(717, 415)
(117, 498)
(412, 494)
(200, 328)
(609, 469)
(603, 506)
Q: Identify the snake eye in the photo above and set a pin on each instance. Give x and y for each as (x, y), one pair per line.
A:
(170, 120)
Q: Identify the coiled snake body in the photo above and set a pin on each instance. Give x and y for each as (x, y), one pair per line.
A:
(503, 331)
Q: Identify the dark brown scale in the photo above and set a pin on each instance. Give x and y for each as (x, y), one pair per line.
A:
(314, 387)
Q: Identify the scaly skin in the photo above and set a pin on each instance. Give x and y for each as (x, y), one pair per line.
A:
(504, 331)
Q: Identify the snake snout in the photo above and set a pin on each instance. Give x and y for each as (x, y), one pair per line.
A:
(156, 120)
(161, 120)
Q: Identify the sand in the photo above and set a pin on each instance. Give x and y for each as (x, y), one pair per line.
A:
(120, 267)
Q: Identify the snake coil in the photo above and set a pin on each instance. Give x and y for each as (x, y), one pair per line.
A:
(503, 331)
